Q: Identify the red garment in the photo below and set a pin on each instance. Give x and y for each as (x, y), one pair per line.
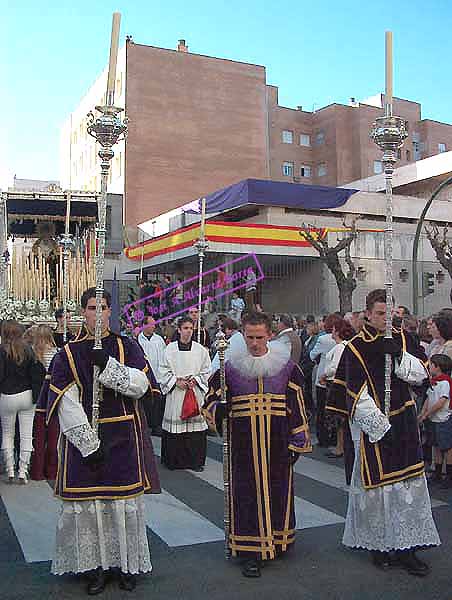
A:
(190, 407)
(221, 279)
(44, 462)
(434, 380)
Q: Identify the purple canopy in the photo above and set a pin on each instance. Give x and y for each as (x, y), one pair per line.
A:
(276, 193)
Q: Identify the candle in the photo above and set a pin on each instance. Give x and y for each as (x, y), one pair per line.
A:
(388, 91)
(48, 281)
(111, 81)
(68, 213)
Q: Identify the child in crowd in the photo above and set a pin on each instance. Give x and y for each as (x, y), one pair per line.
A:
(437, 410)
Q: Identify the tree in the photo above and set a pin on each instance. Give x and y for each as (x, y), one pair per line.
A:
(329, 255)
(441, 245)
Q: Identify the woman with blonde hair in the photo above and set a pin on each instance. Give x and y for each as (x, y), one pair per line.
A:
(44, 345)
(45, 456)
(21, 377)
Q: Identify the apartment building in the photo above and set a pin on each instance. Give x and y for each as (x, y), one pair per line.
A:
(200, 123)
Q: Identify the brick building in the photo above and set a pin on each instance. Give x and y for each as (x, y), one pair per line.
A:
(199, 123)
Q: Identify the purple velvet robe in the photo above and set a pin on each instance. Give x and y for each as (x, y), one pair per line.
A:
(267, 422)
(129, 469)
(363, 364)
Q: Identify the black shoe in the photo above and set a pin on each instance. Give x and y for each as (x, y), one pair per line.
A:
(198, 469)
(127, 581)
(434, 478)
(381, 560)
(408, 560)
(251, 568)
(97, 583)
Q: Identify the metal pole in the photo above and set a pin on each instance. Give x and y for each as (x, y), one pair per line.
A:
(107, 129)
(66, 243)
(222, 344)
(417, 236)
(4, 253)
(142, 257)
(388, 133)
(201, 245)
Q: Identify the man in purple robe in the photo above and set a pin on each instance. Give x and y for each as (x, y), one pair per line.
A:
(389, 510)
(102, 475)
(268, 431)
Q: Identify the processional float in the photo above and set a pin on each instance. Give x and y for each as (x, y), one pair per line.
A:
(34, 268)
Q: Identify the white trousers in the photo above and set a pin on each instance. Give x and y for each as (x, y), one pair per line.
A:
(13, 406)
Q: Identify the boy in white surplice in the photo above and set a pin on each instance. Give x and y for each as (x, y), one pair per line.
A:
(185, 365)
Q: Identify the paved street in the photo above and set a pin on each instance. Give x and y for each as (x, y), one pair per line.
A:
(185, 532)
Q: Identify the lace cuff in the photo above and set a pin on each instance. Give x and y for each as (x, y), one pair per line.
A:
(410, 369)
(84, 438)
(375, 424)
(115, 376)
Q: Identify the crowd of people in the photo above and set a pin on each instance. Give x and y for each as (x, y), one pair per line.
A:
(315, 381)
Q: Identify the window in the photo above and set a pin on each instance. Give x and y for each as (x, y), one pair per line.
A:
(287, 169)
(287, 136)
(399, 154)
(305, 171)
(408, 155)
(320, 138)
(321, 169)
(441, 147)
(378, 167)
(305, 139)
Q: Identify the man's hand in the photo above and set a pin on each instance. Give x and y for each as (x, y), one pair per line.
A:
(392, 347)
(191, 382)
(181, 383)
(95, 461)
(293, 457)
(100, 358)
(388, 439)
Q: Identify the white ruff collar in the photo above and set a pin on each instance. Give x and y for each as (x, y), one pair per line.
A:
(268, 365)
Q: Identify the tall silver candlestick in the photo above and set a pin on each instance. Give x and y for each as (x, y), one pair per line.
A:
(201, 246)
(389, 133)
(222, 345)
(107, 129)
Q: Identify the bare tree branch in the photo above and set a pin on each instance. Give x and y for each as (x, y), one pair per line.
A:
(345, 281)
(441, 244)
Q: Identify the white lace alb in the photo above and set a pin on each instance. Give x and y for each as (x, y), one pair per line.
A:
(84, 438)
(102, 533)
(391, 517)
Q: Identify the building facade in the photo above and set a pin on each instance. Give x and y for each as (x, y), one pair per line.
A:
(199, 123)
(271, 232)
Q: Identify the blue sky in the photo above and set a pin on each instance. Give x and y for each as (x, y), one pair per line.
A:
(315, 52)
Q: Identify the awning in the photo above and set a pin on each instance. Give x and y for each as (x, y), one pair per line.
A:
(276, 193)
